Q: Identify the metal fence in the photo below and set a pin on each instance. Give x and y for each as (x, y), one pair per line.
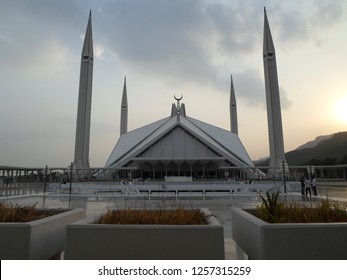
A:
(24, 181)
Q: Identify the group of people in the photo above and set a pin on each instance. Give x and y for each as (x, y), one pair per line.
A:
(308, 184)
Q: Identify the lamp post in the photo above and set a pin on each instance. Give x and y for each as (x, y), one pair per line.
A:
(310, 171)
(70, 189)
(284, 176)
(45, 170)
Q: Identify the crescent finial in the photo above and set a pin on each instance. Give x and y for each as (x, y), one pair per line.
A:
(178, 99)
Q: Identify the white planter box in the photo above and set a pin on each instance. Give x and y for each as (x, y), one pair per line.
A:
(152, 242)
(37, 240)
(288, 241)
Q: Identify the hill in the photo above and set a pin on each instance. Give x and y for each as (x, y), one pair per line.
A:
(315, 142)
(324, 150)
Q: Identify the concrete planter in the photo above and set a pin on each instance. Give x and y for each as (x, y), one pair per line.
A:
(288, 241)
(37, 240)
(144, 242)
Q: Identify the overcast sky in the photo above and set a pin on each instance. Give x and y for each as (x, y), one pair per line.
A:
(165, 47)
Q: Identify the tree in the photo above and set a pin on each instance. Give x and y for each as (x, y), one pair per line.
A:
(344, 160)
(330, 161)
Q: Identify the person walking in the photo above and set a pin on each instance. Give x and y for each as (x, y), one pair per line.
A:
(314, 185)
(308, 186)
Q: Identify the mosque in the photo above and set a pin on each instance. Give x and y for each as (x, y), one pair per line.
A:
(179, 146)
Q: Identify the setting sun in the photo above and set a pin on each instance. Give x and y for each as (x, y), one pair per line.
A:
(340, 109)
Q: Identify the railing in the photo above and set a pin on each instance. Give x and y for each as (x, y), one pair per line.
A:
(13, 189)
(23, 181)
(167, 190)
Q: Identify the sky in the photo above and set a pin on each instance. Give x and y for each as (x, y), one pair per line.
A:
(165, 47)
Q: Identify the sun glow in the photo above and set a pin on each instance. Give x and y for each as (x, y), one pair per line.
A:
(340, 109)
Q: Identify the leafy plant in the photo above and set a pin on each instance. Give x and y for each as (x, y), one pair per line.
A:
(170, 217)
(272, 210)
(19, 213)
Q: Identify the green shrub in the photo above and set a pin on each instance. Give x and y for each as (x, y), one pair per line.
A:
(168, 217)
(272, 210)
(21, 214)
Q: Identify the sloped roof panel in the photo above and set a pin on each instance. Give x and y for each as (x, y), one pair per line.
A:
(153, 136)
(131, 139)
(226, 139)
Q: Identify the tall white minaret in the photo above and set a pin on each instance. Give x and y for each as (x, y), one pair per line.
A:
(81, 159)
(233, 109)
(272, 102)
(124, 110)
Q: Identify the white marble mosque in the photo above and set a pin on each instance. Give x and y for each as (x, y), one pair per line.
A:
(180, 145)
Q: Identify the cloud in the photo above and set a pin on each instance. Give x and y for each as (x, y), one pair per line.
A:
(158, 37)
(193, 45)
(177, 42)
(299, 24)
(250, 87)
(327, 12)
(293, 28)
(286, 103)
(238, 27)
(188, 41)
(99, 51)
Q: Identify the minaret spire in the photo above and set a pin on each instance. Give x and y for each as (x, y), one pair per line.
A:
(81, 159)
(233, 109)
(124, 110)
(276, 145)
(268, 45)
(88, 39)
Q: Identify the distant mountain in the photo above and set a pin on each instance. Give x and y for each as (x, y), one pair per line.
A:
(263, 159)
(315, 142)
(324, 150)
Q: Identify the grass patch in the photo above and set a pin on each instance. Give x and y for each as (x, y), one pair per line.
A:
(10, 213)
(273, 210)
(154, 217)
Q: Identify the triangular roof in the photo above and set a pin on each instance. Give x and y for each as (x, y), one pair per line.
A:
(223, 143)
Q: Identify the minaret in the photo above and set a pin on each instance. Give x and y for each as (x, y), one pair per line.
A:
(81, 160)
(233, 109)
(272, 102)
(124, 110)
